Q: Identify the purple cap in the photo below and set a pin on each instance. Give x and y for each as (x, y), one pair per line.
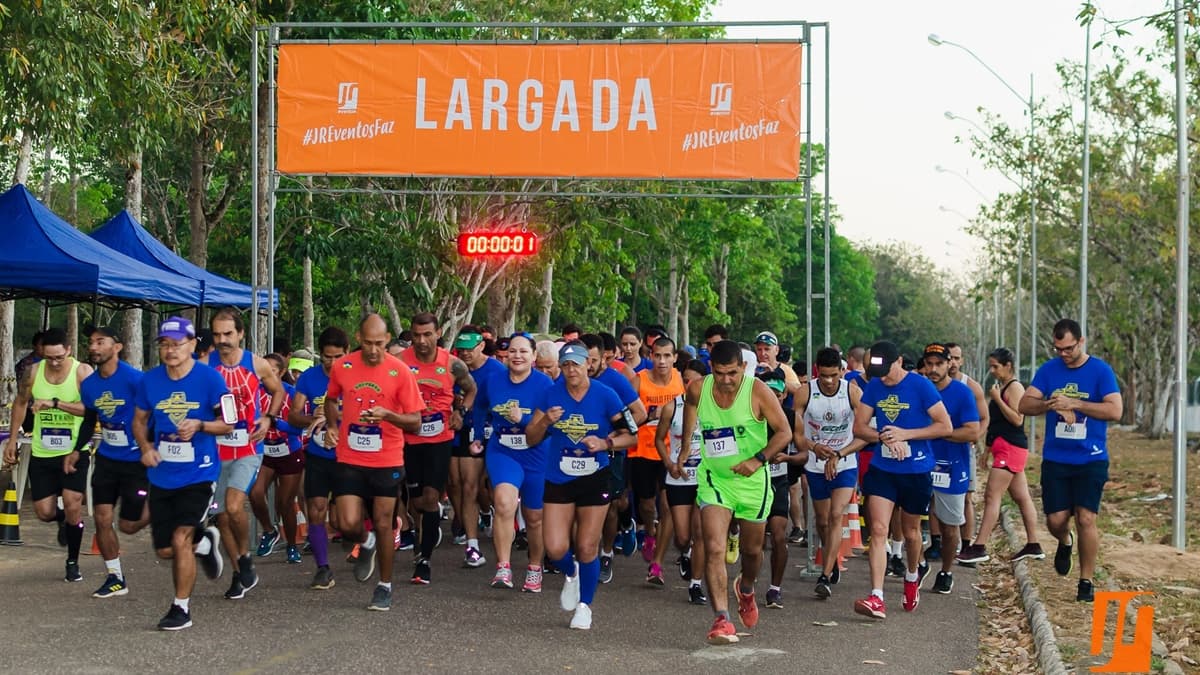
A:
(177, 328)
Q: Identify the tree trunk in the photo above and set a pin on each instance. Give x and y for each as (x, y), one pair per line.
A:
(306, 281)
(502, 305)
(673, 298)
(73, 218)
(394, 317)
(260, 211)
(131, 322)
(48, 172)
(547, 299)
(723, 279)
(685, 329)
(198, 224)
(8, 382)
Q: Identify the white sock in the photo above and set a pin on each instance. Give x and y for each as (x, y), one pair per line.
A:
(773, 588)
(605, 554)
(897, 547)
(204, 546)
(387, 585)
(695, 583)
(877, 592)
(473, 543)
(114, 567)
(911, 576)
(183, 603)
(520, 520)
(370, 542)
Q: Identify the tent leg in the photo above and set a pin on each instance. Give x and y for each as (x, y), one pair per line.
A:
(45, 313)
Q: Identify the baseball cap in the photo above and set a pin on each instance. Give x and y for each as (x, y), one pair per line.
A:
(774, 381)
(653, 333)
(177, 328)
(107, 331)
(301, 360)
(883, 355)
(937, 350)
(502, 344)
(575, 353)
(467, 340)
(766, 337)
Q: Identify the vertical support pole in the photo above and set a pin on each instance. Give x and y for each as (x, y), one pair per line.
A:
(254, 186)
(1179, 505)
(272, 181)
(826, 296)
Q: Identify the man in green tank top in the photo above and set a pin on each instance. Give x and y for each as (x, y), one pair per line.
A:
(733, 409)
(51, 390)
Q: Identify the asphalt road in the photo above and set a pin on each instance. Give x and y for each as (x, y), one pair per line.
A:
(458, 624)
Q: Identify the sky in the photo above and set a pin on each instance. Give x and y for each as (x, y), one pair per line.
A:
(890, 89)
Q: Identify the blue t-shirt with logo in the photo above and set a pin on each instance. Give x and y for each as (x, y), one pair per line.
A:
(196, 395)
(566, 456)
(489, 369)
(113, 400)
(619, 384)
(952, 458)
(313, 383)
(905, 405)
(508, 437)
(1086, 440)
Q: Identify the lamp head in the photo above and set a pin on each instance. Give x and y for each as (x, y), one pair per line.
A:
(935, 40)
(949, 115)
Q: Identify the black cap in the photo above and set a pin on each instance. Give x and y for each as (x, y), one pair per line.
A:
(937, 350)
(108, 331)
(883, 355)
(204, 340)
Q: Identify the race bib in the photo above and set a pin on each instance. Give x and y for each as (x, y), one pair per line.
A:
(276, 449)
(238, 438)
(365, 438)
(514, 441)
(432, 425)
(318, 438)
(941, 479)
(56, 439)
(720, 443)
(578, 466)
(652, 416)
(689, 470)
(113, 434)
(1074, 432)
(171, 449)
(778, 470)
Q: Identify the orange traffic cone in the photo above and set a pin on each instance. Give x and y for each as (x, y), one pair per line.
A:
(10, 518)
(301, 522)
(851, 531)
(95, 547)
(820, 561)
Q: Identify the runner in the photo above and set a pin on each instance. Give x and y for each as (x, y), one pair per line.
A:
(308, 413)
(581, 420)
(631, 349)
(908, 413)
(183, 403)
(733, 410)
(283, 464)
(777, 519)
(681, 485)
(427, 452)
(51, 391)
(108, 396)
(371, 405)
(466, 467)
(766, 350)
(981, 405)
(241, 448)
(507, 402)
(826, 404)
(546, 359)
(952, 455)
(1007, 442)
(1079, 396)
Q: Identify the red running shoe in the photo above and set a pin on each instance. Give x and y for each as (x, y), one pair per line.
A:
(912, 595)
(871, 606)
(722, 632)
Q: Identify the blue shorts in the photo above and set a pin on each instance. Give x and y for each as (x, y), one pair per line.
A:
(909, 491)
(238, 474)
(821, 488)
(1066, 487)
(504, 468)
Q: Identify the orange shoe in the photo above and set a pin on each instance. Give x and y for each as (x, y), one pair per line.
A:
(353, 556)
(722, 632)
(747, 605)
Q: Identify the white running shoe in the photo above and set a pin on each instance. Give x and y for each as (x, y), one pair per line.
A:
(569, 598)
(583, 617)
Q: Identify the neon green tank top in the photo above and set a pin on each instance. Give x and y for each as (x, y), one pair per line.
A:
(731, 435)
(54, 430)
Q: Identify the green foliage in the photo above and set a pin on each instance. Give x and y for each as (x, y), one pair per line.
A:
(916, 304)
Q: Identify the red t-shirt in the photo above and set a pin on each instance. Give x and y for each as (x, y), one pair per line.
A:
(361, 387)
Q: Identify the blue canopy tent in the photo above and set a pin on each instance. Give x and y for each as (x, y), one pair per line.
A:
(44, 257)
(123, 233)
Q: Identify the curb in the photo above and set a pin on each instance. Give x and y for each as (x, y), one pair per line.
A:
(1048, 655)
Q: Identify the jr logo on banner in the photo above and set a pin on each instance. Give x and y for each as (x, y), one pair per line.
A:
(1127, 657)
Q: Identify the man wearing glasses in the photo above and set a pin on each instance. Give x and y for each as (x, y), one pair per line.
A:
(1079, 396)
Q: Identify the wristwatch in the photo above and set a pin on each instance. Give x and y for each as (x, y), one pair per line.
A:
(54, 403)
(760, 457)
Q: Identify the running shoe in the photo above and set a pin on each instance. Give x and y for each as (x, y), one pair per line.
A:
(1030, 551)
(293, 555)
(795, 536)
(722, 632)
(871, 606)
(934, 552)
(696, 595)
(266, 545)
(236, 591)
(648, 545)
(503, 577)
(422, 573)
(922, 572)
(606, 573)
(408, 539)
(352, 556)
(568, 599)
(397, 539)
(775, 598)
(628, 542)
(212, 563)
(460, 539)
(733, 549)
(975, 553)
(473, 558)
(896, 567)
(548, 567)
(485, 522)
(247, 572)
(943, 583)
(1062, 557)
(912, 595)
(177, 618)
(440, 534)
(381, 599)
(533, 581)
(1086, 592)
(685, 567)
(835, 577)
(364, 563)
(823, 590)
(747, 606)
(521, 541)
(583, 617)
(654, 575)
(112, 587)
(323, 579)
(641, 542)
(72, 574)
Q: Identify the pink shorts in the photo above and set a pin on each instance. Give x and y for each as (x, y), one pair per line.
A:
(1007, 456)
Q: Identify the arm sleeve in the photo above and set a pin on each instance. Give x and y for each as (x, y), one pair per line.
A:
(87, 429)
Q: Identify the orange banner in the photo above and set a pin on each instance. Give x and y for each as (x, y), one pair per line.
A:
(722, 111)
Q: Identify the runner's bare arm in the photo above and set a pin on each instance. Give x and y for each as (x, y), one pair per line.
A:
(1108, 409)
(982, 406)
(662, 432)
(939, 427)
(767, 406)
(272, 383)
(466, 383)
(862, 423)
(1033, 402)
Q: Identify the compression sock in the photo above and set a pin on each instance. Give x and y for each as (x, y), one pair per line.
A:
(589, 579)
(566, 564)
(430, 523)
(320, 544)
(74, 540)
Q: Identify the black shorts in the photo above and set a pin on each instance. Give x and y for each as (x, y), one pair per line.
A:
(46, 477)
(910, 491)
(782, 500)
(1066, 487)
(113, 480)
(319, 474)
(681, 495)
(367, 482)
(617, 462)
(646, 477)
(427, 465)
(171, 509)
(462, 445)
(590, 490)
(795, 472)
